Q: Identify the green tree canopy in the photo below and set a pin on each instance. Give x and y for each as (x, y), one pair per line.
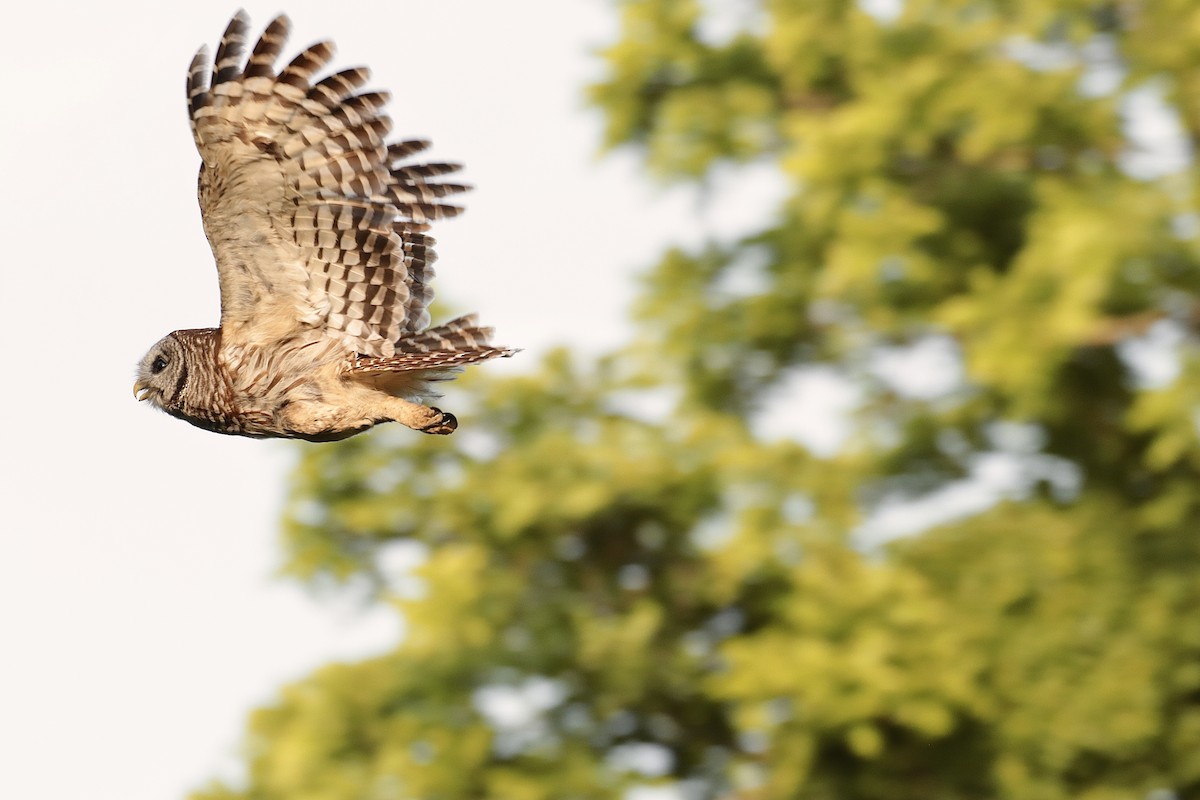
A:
(612, 597)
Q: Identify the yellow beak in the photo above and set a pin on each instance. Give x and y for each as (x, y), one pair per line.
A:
(141, 390)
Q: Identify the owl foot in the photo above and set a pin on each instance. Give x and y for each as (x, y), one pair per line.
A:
(425, 419)
(446, 423)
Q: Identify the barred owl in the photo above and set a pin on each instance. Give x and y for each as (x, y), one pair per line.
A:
(318, 230)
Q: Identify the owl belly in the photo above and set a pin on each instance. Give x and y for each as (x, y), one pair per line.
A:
(255, 426)
(308, 418)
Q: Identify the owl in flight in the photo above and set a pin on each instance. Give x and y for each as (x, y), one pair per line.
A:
(318, 228)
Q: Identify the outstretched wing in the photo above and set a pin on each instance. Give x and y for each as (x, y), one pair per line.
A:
(315, 221)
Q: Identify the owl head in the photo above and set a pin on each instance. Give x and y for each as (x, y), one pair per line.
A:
(162, 373)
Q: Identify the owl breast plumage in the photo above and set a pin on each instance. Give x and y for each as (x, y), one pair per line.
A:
(318, 227)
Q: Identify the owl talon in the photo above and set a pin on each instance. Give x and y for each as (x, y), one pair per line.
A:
(446, 424)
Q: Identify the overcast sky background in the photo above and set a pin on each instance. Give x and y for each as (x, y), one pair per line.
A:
(139, 620)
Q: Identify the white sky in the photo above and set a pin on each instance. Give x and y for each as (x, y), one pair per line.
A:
(139, 621)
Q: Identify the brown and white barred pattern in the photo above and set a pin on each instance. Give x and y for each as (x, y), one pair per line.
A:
(318, 226)
(350, 208)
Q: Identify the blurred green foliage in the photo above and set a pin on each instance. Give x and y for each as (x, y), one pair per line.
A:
(614, 596)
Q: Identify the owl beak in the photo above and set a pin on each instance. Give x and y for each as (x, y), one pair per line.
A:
(141, 391)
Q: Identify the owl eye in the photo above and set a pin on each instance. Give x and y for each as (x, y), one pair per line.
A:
(158, 365)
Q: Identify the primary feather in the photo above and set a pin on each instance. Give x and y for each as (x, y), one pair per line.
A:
(317, 225)
(312, 217)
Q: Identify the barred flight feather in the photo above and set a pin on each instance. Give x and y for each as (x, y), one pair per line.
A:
(317, 224)
(348, 197)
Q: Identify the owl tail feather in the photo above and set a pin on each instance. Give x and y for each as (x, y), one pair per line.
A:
(456, 335)
(455, 344)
